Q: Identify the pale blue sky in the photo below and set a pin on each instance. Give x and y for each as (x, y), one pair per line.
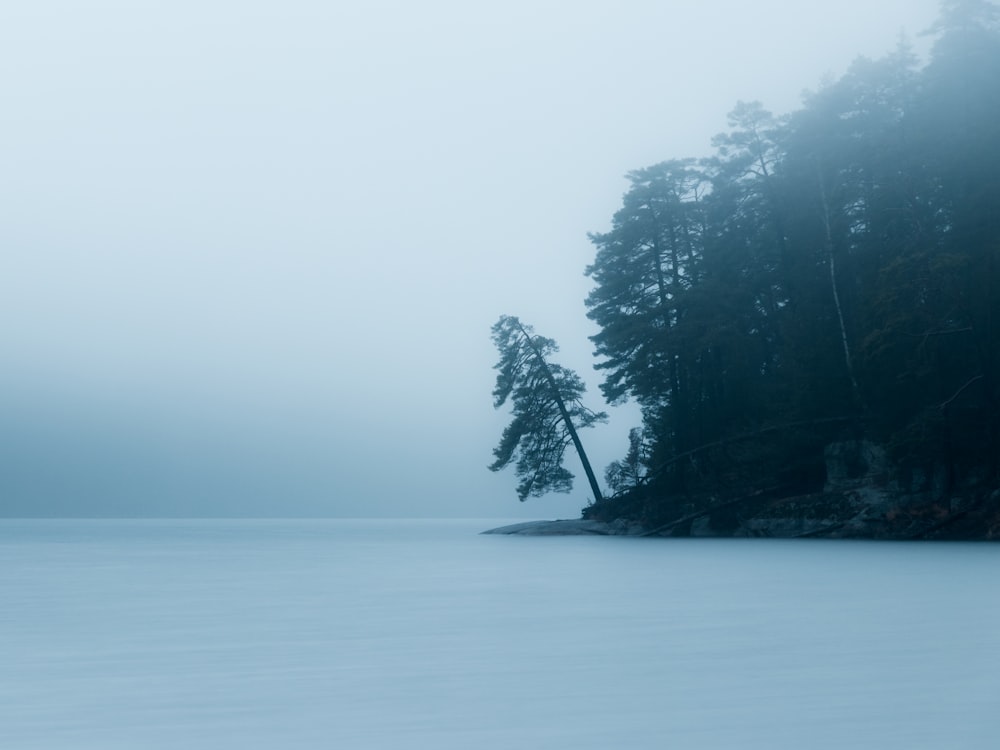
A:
(251, 251)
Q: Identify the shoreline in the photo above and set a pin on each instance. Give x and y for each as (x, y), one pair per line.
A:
(569, 527)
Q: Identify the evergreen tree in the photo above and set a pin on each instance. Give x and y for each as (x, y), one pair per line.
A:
(547, 411)
(630, 472)
(644, 269)
(841, 262)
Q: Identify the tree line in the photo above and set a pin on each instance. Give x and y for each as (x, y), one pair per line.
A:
(830, 273)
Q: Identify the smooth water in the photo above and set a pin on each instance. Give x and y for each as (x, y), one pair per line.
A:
(424, 634)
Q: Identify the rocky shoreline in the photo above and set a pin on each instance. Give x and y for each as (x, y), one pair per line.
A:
(570, 527)
(864, 497)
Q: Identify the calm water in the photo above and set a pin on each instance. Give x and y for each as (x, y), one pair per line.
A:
(423, 634)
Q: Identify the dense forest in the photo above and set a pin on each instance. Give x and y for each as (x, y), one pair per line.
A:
(825, 287)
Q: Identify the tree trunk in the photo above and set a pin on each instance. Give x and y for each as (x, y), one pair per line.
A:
(855, 391)
(594, 486)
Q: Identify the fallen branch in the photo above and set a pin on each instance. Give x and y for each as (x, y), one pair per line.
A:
(959, 392)
(749, 436)
(708, 511)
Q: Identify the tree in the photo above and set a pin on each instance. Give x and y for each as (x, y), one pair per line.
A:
(956, 121)
(631, 471)
(831, 275)
(643, 271)
(547, 411)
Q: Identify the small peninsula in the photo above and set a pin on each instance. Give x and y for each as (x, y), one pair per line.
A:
(808, 319)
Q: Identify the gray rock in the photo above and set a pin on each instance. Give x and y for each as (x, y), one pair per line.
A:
(625, 527)
(852, 463)
(555, 528)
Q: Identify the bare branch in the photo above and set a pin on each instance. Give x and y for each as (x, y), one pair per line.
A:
(959, 392)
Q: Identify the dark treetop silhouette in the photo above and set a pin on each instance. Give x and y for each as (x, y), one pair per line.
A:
(547, 411)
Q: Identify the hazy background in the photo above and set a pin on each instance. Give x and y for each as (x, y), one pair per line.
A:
(251, 251)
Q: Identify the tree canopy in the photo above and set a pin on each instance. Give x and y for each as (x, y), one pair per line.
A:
(831, 273)
(836, 269)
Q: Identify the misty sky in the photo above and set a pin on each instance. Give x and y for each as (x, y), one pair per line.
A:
(251, 251)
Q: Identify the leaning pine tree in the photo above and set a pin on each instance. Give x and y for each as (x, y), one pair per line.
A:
(547, 411)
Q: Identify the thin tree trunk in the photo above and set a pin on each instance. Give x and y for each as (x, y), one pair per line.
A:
(990, 363)
(855, 391)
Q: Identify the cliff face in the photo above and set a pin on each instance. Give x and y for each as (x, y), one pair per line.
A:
(864, 496)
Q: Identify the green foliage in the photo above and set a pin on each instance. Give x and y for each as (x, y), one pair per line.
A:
(546, 408)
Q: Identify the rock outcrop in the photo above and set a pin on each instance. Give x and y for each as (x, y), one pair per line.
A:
(571, 527)
(864, 497)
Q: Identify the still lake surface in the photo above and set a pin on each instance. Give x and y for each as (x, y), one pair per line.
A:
(423, 634)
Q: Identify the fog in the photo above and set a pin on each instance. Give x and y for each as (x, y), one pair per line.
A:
(251, 252)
